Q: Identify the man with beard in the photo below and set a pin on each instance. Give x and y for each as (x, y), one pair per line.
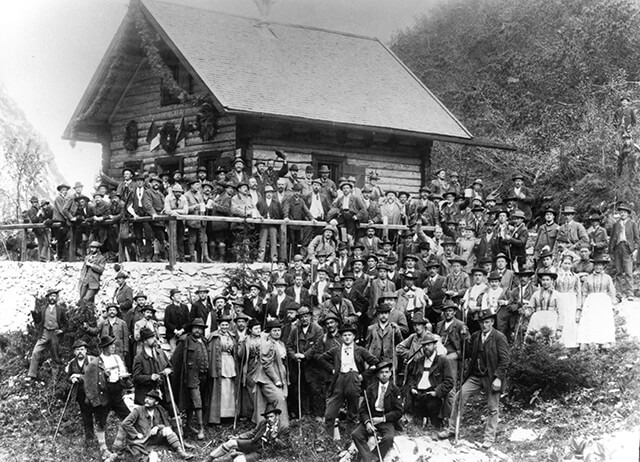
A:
(75, 370)
(116, 328)
(276, 307)
(347, 211)
(411, 299)
(202, 306)
(220, 206)
(91, 272)
(135, 208)
(337, 305)
(359, 301)
(269, 209)
(371, 206)
(409, 346)
(327, 186)
(300, 347)
(153, 204)
(147, 425)
(271, 375)
(296, 209)
(50, 321)
(427, 212)
(176, 318)
(150, 369)
(190, 363)
(433, 284)
(123, 296)
(254, 303)
(237, 175)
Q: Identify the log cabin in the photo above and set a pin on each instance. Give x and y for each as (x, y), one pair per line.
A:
(235, 86)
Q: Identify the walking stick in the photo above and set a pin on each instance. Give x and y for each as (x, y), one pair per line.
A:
(238, 394)
(460, 378)
(175, 412)
(375, 435)
(299, 373)
(73, 385)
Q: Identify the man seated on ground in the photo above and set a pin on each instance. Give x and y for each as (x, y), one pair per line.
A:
(269, 435)
(380, 413)
(146, 425)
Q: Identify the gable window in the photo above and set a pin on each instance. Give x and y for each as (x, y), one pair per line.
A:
(182, 78)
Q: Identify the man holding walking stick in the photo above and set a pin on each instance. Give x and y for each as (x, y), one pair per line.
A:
(75, 369)
(380, 415)
(488, 368)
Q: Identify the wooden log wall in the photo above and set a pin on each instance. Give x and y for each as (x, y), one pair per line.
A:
(142, 102)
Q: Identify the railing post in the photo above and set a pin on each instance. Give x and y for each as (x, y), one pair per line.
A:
(283, 241)
(72, 243)
(172, 229)
(23, 245)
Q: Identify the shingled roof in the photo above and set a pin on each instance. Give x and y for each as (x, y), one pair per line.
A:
(298, 72)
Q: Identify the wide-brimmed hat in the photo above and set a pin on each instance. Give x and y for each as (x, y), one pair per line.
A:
(458, 259)
(140, 295)
(526, 271)
(153, 393)
(122, 275)
(501, 255)
(280, 282)
(386, 295)
(569, 209)
(449, 304)
(52, 291)
(63, 186)
(112, 305)
(197, 322)
(302, 311)
(172, 292)
(493, 276)
(478, 270)
(595, 217)
(546, 253)
(553, 275)
(336, 286)
(329, 228)
(78, 343)
(201, 289)
(148, 307)
(243, 315)
(429, 338)
(411, 275)
(411, 256)
(177, 188)
(601, 260)
(146, 333)
(105, 341)
(624, 206)
(95, 244)
(348, 328)
(81, 196)
(485, 314)
(345, 183)
(550, 210)
(385, 363)
(519, 214)
(271, 409)
(331, 316)
(348, 275)
(517, 176)
(419, 318)
(324, 169)
(383, 308)
(447, 240)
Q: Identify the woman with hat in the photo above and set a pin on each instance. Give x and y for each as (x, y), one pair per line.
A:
(598, 238)
(104, 387)
(569, 299)
(269, 436)
(595, 317)
(543, 307)
(221, 386)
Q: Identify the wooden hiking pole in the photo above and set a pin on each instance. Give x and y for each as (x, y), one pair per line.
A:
(175, 412)
(460, 378)
(66, 403)
(375, 434)
(299, 373)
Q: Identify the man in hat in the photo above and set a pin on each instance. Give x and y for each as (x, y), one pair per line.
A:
(450, 330)
(197, 228)
(255, 303)
(147, 425)
(277, 304)
(242, 205)
(506, 275)
(105, 380)
(547, 234)
(572, 233)
(517, 240)
(519, 298)
(75, 371)
(190, 364)
(487, 245)
(135, 208)
(439, 184)
(426, 212)
(146, 321)
(269, 209)
(305, 182)
(496, 299)
(324, 243)
(371, 206)
(298, 292)
(202, 307)
(115, 327)
(413, 343)
(410, 261)
(176, 318)
(598, 238)
(339, 306)
(489, 360)
(380, 415)
(300, 347)
(624, 118)
(50, 321)
(266, 439)
(623, 248)
(296, 209)
(259, 175)
(153, 205)
(317, 202)
(123, 295)
(347, 363)
(471, 303)
(434, 287)
(327, 186)
(220, 205)
(280, 193)
(371, 243)
(412, 299)
(36, 214)
(176, 204)
(456, 282)
(430, 378)
(522, 194)
(61, 234)
(377, 286)
(383, 336)
(448, 245)
(238, 174)
(449, 210)
(151, 369)
(396, 316)
(124, 187)
(347, 211)
(360, 301)
(391, 211)
(91, 272)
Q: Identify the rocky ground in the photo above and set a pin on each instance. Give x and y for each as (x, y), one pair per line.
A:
(595, 424)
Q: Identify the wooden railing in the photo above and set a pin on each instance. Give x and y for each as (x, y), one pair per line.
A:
(171, 226)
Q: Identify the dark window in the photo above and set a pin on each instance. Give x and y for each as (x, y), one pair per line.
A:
(168, 165)
(184, 81)
(135, 165)
(335, 164)
(210, 160)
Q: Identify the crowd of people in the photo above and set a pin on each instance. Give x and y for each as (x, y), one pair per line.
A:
(360, 328)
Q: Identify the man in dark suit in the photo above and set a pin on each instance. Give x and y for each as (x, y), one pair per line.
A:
(380, 413)
(176, 318)
(269, 209)
(489, 361)
(433, 285)
(347, 363)
(450, 330)
(50, 320)
(347, 211)
(517, 240)
(123, 295)
(296, 209)
(75, 370)
(522, 194)
(298, 292)
(623, 248)
(277, 305)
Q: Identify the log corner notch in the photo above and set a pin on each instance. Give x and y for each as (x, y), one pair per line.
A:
(424, 151)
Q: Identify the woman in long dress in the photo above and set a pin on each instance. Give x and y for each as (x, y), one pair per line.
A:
(569, 299)
(543, 307)
(596, 322)
(249, 356)
(222, 373)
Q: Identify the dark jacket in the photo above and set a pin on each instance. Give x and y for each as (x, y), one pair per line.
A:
(631, 231)
(190, 362)
(176, 317)
(393, 409)
(124, 298)
(276, 310)
(451, 336)
(299, 342)
(331, 362)
(74, 368)
(497, 355)
(143, 366)
(61, 317)
(138, 422)
(274, 211)
(259, 438)
(95, 383)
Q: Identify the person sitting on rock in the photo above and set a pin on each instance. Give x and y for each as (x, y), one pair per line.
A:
(146, 425)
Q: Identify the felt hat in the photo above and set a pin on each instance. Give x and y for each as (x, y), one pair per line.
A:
(112, 305)
(241, 184)
(153, 393)
(478, 270)
(386, 295)
(345, 183)
(202, 168)
(172, 292)
(385, 363)
(425, 189)
(432, 263)
(140, 295)
(225, 318)
(517, 176)
(335, 286)
(391, 260)
(79, 343)
(297, 187)
(95, 244)
(342, 245)
(207, 184)
(494, 276)
(602, 260)
(193, 180)
(127, 169)
(280, 282)
(329, 228)
(238, 160)
(146, 333)
(275, 324)
(449, 304)
(302, 311)
(373, 256)
(478, 181)
(218, 297)
(596, 217)
(447, 240)
(348, 328)
(105, 341)
(383, 308)
(197, 322)
(383, 266)
(81, 197)
(243, 315)
(429, 338)
(349, 275)
(367, 189)
(122, 275)
(63, 186)
(155, 178)
(316, 180)
(526, 271)
(458, 259)
(331, 316)
(294, 168)
(177, 188)
(411, 256)
(550, 210)
(486, 314)
(253, 323)
(545, 253)
(623, 206)
(268, 188)
(148, 307)
(553, 275)
(519, 214)
(52, 291)
(271, 409)
(484, 261)
(477, 208)
(308, 169)
(33, 199)
(410, 275)
(501, 255)
(201, 289)
(137, 177)
(324, 169)
(418, 318)
(569, 209)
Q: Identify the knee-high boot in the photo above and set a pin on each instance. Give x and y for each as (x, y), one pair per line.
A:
(174, 442)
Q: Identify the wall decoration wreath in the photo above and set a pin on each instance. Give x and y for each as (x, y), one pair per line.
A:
(131, 136)
(168, 135)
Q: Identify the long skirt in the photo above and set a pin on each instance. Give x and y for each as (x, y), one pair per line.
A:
(543, 318)
(597, 324)
(567, 305)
